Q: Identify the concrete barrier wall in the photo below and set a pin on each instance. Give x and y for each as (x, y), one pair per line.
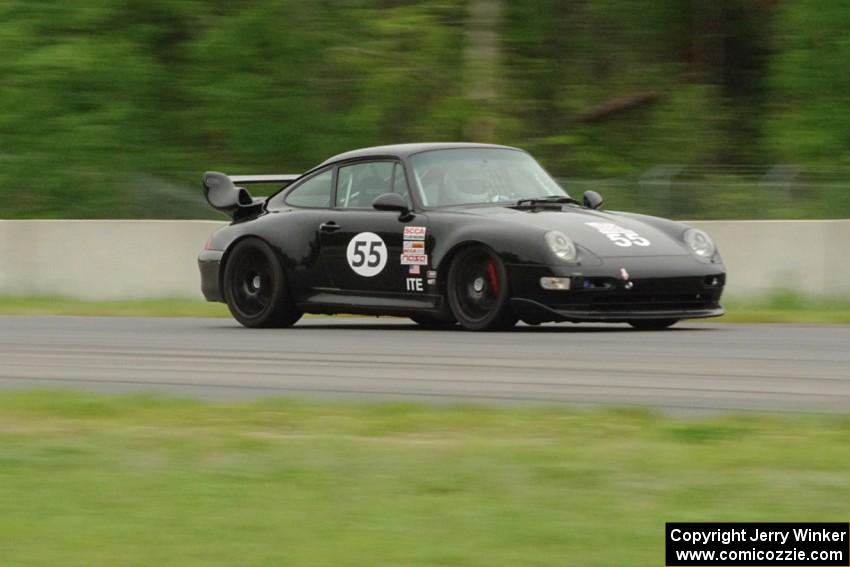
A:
(102, 259)
(810, 257)
(150, 259)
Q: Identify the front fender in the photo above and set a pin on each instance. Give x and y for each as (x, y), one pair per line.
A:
(512, 247)
(518, 245)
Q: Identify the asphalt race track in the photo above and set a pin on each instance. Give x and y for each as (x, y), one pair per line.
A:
(693, 367)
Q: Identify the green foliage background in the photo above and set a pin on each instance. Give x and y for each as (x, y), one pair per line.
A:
(114, 109)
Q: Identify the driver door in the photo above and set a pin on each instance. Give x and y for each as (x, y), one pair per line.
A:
(368, 252)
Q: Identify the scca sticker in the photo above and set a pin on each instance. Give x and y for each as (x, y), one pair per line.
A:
(620, 236)
(367, 254)
(414, 233)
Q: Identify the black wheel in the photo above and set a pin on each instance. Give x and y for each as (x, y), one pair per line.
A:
(255, 287)
(432, 322)
(478, 290)
(653, 324)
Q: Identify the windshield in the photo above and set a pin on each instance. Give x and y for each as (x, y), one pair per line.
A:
(480, 175)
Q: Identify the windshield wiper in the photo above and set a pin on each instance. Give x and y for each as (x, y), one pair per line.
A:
(555, 199)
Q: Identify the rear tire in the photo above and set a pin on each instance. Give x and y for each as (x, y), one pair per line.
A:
(653, 324)
(478, 291)
(255, 287)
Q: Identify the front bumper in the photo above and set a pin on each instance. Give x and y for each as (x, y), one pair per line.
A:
(534, 312)
(620, 291)
(209, 263)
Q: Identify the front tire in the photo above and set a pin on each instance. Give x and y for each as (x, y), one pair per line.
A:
(653, 324)
(478, 291)
(255, 287)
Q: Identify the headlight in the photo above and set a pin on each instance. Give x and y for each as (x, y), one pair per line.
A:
(700, 243)
(561, 245)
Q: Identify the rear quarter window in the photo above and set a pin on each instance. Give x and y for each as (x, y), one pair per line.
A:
(314, 192)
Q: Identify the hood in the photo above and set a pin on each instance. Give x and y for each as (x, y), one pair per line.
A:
(605, 234)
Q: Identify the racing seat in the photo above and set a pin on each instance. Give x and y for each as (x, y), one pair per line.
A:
(369, 189)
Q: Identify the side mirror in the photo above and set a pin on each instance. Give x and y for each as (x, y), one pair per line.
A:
(592, 200)
(391, 202)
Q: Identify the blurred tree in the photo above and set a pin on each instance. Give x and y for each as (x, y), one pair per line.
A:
(482, 68)
(809, 84)
(104, 104)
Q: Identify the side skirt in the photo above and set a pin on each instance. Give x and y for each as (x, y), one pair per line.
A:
(334, 302)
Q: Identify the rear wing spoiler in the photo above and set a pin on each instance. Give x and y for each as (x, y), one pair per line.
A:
(282, 179)
(226, 194)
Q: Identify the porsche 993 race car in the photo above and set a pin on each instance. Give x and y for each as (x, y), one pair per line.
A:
(470, 234)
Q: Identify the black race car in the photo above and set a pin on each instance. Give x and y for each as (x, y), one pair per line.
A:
(473, 234)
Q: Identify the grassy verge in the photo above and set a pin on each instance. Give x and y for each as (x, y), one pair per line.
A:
(88, 480)
(787, 307)
(124, 308)
(778, 308)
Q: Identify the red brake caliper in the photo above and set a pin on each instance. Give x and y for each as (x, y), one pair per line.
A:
(494, 277)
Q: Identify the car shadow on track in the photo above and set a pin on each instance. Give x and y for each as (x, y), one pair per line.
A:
(522, 329)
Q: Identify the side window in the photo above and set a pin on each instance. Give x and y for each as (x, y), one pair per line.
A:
(400, 184)
(360, 184)
(315, 192)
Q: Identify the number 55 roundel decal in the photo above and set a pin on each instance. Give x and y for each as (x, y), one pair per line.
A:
(367, 254)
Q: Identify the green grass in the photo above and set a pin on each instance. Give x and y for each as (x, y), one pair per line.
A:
(122, 308)
(788, 307)
(101, 481)
(777, 308)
